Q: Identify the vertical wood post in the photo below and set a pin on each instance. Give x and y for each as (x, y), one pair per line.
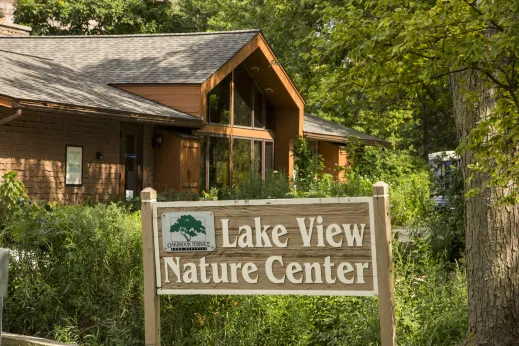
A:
(151, 299)
(386, 290)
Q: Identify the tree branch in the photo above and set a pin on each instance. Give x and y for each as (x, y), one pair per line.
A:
(478, 11)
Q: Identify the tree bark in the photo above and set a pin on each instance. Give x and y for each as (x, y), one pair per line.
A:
(491, 233)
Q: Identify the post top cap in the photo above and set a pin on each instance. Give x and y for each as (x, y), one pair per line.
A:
(148, 194)
(380, 188)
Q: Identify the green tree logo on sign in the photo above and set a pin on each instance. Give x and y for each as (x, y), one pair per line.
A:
(188, 226)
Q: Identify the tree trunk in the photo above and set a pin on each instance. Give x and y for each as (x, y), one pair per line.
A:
(491, 234)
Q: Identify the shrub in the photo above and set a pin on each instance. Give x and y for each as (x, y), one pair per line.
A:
(76, 276)
(76, 273)
(275, 185)
(12, 191)
(445, 224)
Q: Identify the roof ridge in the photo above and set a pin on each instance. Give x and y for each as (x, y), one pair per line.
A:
(139, 35)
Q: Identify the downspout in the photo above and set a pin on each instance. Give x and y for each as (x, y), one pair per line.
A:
(11, 117)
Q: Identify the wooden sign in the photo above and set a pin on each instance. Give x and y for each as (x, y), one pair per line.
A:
(295, 246)
(328, 246)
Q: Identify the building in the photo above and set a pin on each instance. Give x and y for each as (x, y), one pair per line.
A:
(94, 116)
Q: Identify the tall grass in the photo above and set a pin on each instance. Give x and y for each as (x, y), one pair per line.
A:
(76, 276)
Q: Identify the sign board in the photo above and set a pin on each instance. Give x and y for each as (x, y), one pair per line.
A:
(294, 246)
(329, 246)
(74, 165)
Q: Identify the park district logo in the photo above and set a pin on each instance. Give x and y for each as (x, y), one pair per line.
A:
(188, 231)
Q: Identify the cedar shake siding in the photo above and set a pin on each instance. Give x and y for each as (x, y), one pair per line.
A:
(33, 145)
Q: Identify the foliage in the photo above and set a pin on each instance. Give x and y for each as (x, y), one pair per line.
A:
(408, 178)
(445, 225)
(406, 174)
(188, 226)
(11, 192)
(78, 270)
(275, 185)
(75, 273)
(405, 48)
(102, 17)
(174, 195)
(308, 168)
(212, 195)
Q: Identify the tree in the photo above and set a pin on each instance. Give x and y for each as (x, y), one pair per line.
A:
(103, 17)
(470, 48)
(188, 226)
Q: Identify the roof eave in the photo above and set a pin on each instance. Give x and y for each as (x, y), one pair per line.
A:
(138, 117)
(341, 139)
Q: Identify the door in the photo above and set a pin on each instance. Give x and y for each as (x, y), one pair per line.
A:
(190, 165)
(131, 158)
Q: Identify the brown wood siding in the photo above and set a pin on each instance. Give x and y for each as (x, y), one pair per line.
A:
(343, 162)
(177, 164)
(185, 98)
(335, 156)
(190, 165)
(167, 163)
(33, 145)
(288, 128)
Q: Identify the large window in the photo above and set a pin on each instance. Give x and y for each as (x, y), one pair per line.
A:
(219, 102)
(259, 107)
(269, 156)
(270, 116)
(241, 160)
(218, 161)
(250, 157)
(257, 167)
(252, 108)
(243, 100)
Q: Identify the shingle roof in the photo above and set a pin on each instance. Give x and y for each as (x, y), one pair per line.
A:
(120, 59)
(35, 79)
(320, 126)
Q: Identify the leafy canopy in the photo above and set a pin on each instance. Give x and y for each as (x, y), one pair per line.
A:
(406, 48)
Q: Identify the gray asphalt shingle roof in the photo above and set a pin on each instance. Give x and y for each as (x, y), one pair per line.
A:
(121, 59)
(320, 126)
(31, 78)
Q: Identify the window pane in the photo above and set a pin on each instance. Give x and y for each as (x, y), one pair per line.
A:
(271, 116)
(259, 107)
(219, 102)
(203, 151)
(242, 97)
(218, 162)
(258, 157)
(241, 160)
(269, 156)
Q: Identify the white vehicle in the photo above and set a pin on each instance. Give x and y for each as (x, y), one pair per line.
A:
(441, 164)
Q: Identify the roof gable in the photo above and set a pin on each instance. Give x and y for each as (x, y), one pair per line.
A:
(135, 59)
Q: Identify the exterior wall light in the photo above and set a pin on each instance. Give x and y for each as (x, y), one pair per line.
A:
(269, 90)
(254, 68)
(156, 141)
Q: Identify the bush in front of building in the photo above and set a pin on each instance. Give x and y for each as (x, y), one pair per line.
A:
(75, 273)
(76, 276)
